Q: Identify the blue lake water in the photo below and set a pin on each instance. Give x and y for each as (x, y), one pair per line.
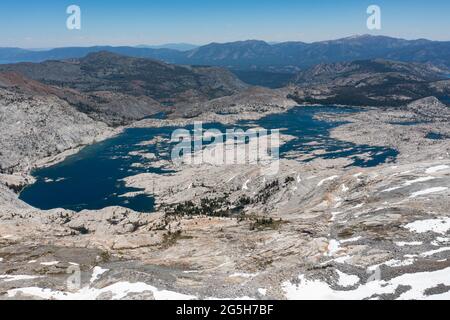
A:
(312, 134)
(445, 100)
(408, 123)
(436, 136)
(91, 179)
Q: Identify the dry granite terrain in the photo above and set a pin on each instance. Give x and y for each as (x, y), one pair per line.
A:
(320, 229)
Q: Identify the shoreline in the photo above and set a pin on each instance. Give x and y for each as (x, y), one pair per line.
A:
(317, 214)
(292, 156)
(25, 176)
(209, 117)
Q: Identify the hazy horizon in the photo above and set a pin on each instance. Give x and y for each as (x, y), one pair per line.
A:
(199, 22)
(204, 44)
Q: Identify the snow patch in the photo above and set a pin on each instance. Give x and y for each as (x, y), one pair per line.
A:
(394, 263)
(243, 275)
(433, 252)
(439, 241)
(118, 290)
(97, 273)
(326, 180)
(399, 263)
(407, 244)
(419, 283)
(428, 191)
(437, 169)
(410, 183)
(441, 226)
(50, 263)
(10, 278)
(346, 280)
(351, 240)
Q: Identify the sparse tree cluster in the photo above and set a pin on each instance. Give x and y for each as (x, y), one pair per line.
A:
(221, 207)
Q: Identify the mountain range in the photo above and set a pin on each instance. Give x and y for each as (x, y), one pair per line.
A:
(260, 55)
(173, 46)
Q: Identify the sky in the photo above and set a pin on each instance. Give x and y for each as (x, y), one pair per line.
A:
(42, 24)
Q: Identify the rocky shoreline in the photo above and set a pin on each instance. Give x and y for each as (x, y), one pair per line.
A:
(361, 233)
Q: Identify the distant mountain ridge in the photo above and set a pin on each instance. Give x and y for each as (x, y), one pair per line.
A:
(369, 83)
(17, 55)
(260, 55)
(119, 89)
(173, 46)
(340, 73)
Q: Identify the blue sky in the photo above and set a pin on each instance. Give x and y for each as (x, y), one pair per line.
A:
(42, 24)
